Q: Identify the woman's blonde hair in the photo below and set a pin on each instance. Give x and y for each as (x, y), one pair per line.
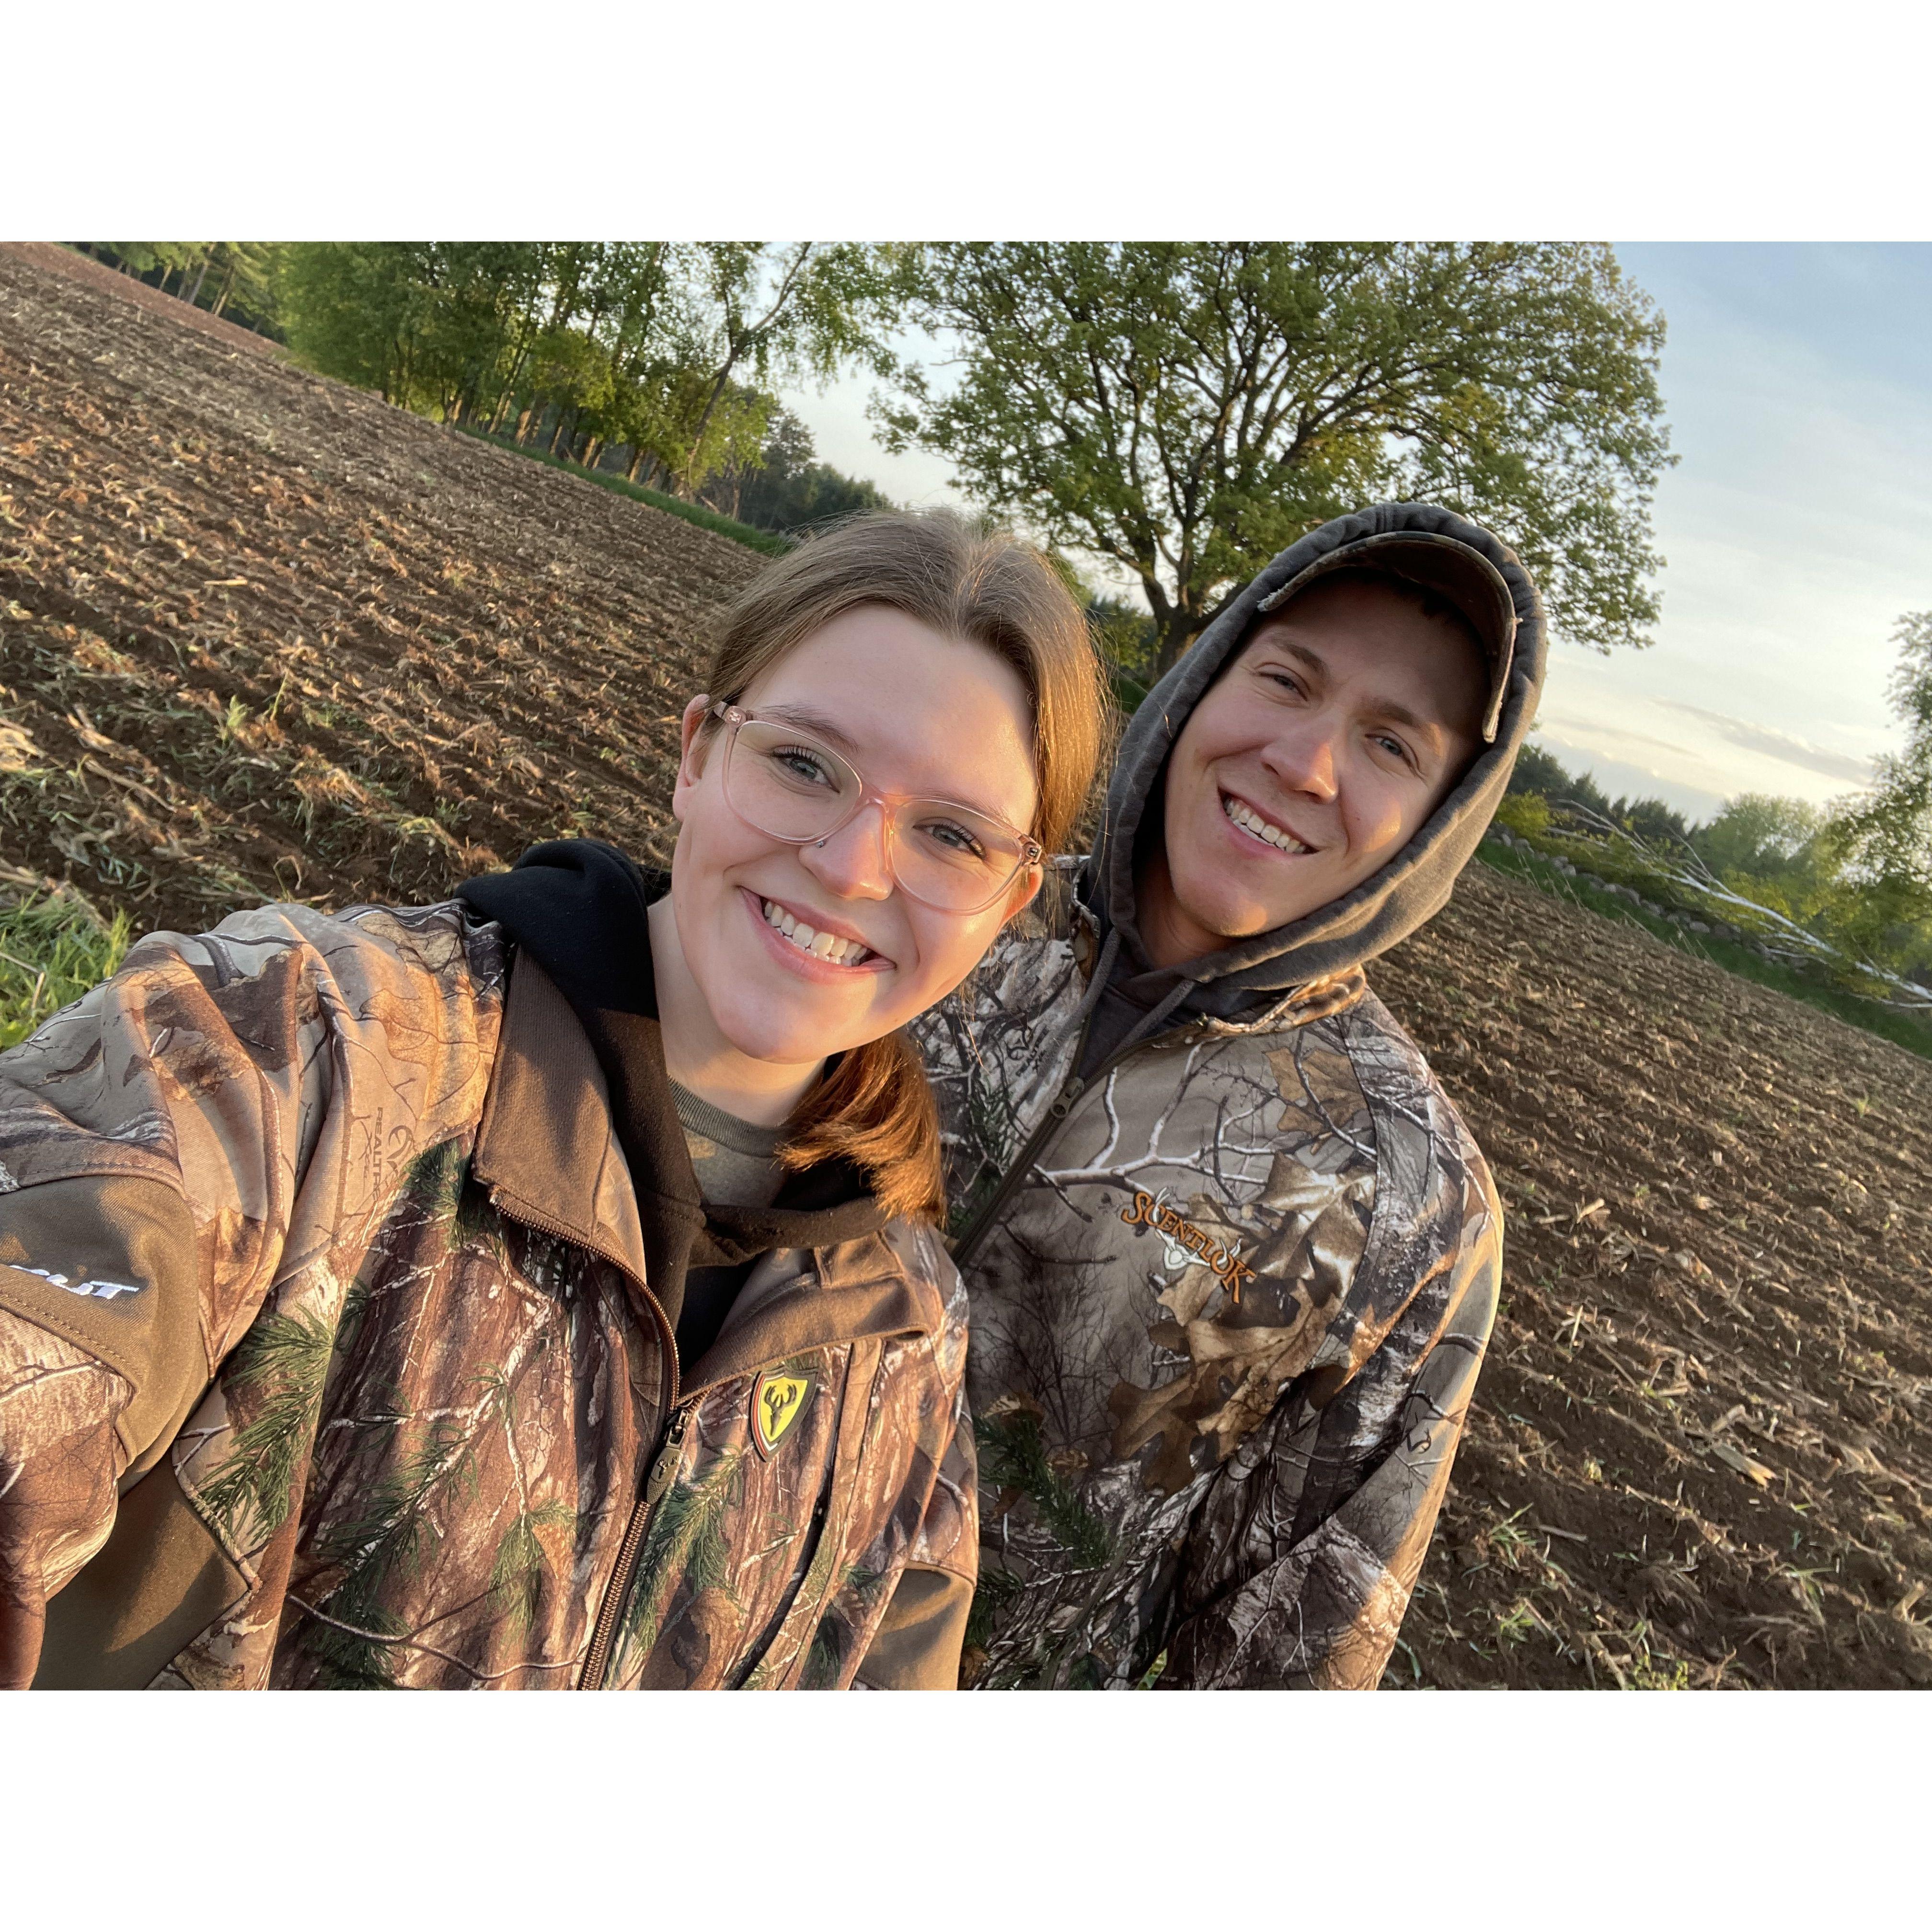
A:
(983, 586)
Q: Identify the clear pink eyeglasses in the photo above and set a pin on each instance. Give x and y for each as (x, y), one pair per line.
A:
(786, 783)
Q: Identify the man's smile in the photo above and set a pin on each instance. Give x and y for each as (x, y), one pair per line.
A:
(1243, 815)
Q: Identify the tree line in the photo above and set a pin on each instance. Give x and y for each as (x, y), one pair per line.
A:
(658, 361)
(1178, 410)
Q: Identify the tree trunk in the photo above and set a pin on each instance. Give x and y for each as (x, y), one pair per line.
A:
(593, 448)
(194, 293)
(227, 283)
(1176, 635)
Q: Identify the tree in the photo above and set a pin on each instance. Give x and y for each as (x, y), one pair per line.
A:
(765, 315)
(1186, 409)
(1883, 838)
(1887, 832)
(1760, 836)
(784, 487)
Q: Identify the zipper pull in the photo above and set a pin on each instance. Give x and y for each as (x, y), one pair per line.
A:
(665, 1467)
(1063, 1101)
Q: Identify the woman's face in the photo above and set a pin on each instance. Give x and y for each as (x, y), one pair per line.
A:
(920, 715)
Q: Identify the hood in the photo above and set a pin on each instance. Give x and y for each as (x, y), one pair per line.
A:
(1414, 885)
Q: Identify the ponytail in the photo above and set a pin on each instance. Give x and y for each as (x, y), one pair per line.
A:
(875, 1109)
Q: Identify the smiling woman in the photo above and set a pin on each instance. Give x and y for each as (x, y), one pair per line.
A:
(651, 1336)
(953, 671)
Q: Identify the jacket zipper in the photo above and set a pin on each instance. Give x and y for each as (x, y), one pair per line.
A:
(677, 1421)
(597, 1661)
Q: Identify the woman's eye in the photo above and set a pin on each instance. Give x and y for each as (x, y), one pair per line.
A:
(955, 838)
(795, 761)
(1395, 747)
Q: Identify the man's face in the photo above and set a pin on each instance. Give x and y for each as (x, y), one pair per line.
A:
(1344, 721)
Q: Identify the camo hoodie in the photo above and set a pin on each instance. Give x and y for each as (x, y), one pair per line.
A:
(1231, 1279)
(328, 1355)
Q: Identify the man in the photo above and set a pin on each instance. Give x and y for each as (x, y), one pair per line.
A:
(1233, 1257)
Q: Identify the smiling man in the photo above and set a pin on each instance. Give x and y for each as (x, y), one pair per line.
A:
(1233, 1256)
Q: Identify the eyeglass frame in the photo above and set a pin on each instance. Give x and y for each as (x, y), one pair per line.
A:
(1032, 852)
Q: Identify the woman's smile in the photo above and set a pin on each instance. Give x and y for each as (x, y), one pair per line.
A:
(822, 949)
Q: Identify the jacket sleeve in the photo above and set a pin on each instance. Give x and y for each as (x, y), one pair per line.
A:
(919, 1641)
(155, 1139)
(60, 1456)
(1305, 1552)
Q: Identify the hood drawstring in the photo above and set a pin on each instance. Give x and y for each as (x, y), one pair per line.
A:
(1148, 1021)
(1103, 971)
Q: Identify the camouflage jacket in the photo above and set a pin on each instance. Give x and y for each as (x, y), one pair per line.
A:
(1230, 1297)
(326, 1356)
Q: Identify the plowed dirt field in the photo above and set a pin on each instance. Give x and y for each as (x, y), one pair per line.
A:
(261, 635)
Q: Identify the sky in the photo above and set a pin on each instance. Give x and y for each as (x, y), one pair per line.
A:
(1796, 526)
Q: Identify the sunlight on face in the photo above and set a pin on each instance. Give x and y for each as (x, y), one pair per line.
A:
(1318, 754)
(920, 715)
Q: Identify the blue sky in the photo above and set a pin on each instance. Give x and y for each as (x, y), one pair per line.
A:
(1796, 526)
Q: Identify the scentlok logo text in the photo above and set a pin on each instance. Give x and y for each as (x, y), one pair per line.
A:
(1148, 1212)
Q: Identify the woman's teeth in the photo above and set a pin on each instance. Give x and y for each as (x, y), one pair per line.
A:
(820, 945)
(1270, 834)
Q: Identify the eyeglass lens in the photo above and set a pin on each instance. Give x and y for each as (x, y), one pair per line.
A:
(795, 788)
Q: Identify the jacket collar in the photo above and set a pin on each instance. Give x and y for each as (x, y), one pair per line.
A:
(545, 1149)
(547, 1152)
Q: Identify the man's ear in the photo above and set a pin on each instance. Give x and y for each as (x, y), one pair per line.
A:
(691, 751)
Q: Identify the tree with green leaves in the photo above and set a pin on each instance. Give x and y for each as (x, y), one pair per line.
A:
(1186, 409)
(763, 315)
(1882, 837)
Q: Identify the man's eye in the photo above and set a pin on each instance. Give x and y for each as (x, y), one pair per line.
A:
(1396, 746)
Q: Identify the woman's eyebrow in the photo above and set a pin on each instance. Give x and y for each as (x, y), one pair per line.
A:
(802, 718)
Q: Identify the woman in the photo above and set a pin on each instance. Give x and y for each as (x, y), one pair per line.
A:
(541, 1289)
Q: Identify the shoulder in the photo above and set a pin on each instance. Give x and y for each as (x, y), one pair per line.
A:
(271, 1009)
(1409, 1102)
(363, 945)
(1014, 1001)
(936, 1289)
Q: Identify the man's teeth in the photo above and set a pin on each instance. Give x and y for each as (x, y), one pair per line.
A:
(1251, 821)
(820, 945)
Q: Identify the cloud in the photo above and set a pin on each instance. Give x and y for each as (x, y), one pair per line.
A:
(1770, 742)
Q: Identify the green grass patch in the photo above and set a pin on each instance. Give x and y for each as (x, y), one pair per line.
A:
(53, 947)
(1901, 1029)
(768, 541)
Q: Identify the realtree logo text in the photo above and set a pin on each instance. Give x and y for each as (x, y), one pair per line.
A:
(1148, 1212)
